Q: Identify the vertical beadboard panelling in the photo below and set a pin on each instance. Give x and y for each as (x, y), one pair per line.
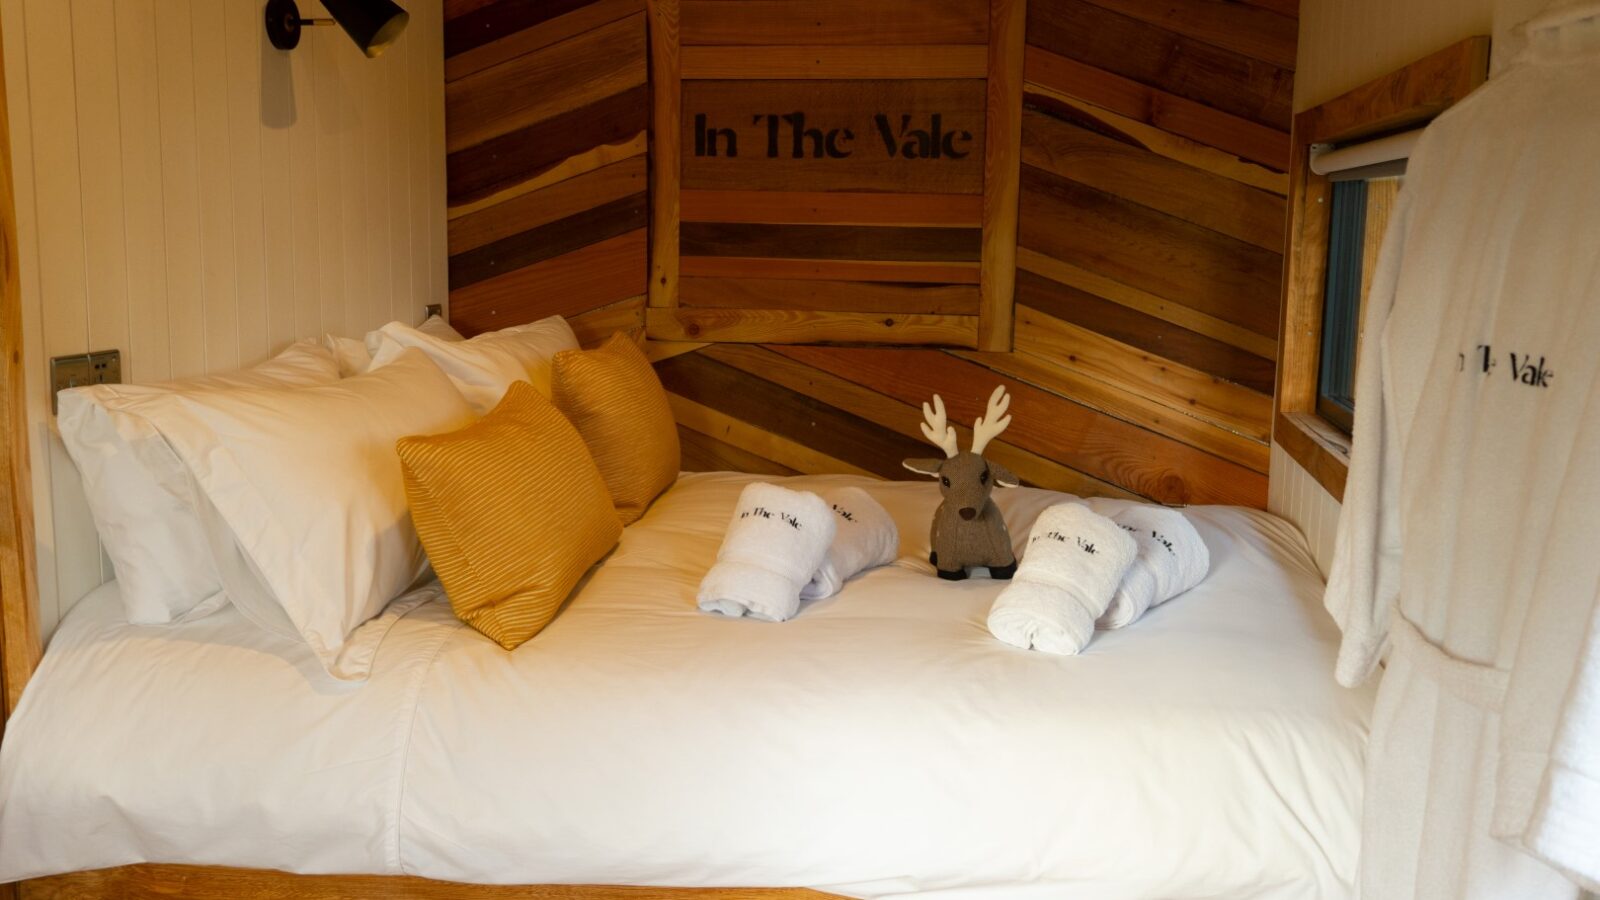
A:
(194, 198)
(1295, 495)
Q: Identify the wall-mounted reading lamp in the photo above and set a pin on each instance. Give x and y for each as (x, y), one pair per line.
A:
(372, 24)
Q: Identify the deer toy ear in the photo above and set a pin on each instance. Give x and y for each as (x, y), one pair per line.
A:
(924, 466)
(1002, 475)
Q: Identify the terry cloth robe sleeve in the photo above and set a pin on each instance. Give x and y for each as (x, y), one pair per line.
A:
(1365, 575)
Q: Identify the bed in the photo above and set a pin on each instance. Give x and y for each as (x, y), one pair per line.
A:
(880, 744)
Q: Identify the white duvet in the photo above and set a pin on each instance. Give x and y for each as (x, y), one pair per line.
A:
(881, 743)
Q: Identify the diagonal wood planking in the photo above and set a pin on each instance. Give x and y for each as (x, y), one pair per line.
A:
(1147, 251)
(546, 109)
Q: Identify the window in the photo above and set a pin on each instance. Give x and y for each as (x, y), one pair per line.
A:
(1358, 213)
(1344, 177)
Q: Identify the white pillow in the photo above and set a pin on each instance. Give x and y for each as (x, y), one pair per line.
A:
(485, 366)
(313, 535)
(139, 493)
(355, 357)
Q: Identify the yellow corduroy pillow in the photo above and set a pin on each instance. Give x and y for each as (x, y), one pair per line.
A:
(613, 397)
(512, 512)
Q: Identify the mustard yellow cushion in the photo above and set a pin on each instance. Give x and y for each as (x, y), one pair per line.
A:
(613, 397)
(512, 512)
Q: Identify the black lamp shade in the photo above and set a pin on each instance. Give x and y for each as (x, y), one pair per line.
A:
(372, 24)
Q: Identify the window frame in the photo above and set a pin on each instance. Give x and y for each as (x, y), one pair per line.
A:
(1405, 98)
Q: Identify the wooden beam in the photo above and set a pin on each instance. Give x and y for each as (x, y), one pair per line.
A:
(832, 208)
(1405, 97)
(19, 589)
(666, 165)
(527, 40)
(830, 269)
(1002, 169)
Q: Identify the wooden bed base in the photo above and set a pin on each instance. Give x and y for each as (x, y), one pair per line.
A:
(210, 882)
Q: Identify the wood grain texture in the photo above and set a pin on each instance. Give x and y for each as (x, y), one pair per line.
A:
(1407, 96)
(1062, 378)
(542, 242)
(856, 242)
(1168, 112)
(774, 448)
(832, 208)
(1165, 60)
(19, 600)
(903, 418)
(546, 82)
(1133, 173)
(573, 166)
(666, 163)
(1255, 31)
(761, 326)
(704, 453)
(1180, 388)
(549, 204)
(836, 61)
(771, 164)
(1002, 161)
(1161, 254)
(148, 881)
(830, 269)
(537, 37)
(511, 159)
(1149, 304)
(881, 22)
(490, 21)
(1107, 448)
(593, 327)
(574, 283)
(1147, 333)
(834, 296)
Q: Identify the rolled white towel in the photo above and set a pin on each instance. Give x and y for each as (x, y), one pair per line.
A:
(1172, 559)
(776, 539)
(1074, 561)
(865, 538)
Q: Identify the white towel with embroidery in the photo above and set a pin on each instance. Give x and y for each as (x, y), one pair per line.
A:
(865, 537)
(1073, 563)
(1172, 559)
(776, 540)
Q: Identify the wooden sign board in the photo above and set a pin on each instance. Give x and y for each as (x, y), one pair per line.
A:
(911, 136)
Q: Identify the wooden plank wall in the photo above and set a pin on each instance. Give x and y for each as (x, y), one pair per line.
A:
(547, 111)
(1147, 254)
(830, 169)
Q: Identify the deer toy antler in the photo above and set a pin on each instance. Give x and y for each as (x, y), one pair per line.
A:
(935, 429)
(988, 426)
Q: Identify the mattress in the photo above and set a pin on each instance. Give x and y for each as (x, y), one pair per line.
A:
(882, 743)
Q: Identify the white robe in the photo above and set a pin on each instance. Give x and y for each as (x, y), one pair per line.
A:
(1469, 544)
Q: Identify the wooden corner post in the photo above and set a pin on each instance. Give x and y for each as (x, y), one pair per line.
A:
(1002, 171)
(665, 151)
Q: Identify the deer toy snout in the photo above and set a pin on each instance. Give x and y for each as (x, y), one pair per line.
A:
(968, 529)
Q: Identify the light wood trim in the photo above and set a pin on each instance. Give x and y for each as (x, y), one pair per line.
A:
(19, 586)
(665, 151)
(835, 61)
(830, 269)
(205, 882)
(1407, 97)
(527, 40)
(1002, 172)
(788, 326)
(832, 208)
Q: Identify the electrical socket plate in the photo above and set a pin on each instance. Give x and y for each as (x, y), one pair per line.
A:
(433, 309)
(83, 369)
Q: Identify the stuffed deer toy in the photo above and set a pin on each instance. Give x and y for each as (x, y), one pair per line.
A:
(968, 529)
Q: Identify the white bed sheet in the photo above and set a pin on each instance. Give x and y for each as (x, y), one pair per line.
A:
(882, 743)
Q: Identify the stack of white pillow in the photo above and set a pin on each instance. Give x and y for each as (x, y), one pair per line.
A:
(278, 488)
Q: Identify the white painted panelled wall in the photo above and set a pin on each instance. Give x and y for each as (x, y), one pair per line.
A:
(196, 199)
(1345, 43)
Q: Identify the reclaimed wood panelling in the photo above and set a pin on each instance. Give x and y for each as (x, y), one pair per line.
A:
(546, 110)
(1107, 241)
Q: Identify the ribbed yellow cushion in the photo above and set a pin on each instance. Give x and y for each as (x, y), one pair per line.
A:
(613, 397)
(512, 512)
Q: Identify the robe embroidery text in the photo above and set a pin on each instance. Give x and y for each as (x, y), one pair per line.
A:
(1524, 368)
